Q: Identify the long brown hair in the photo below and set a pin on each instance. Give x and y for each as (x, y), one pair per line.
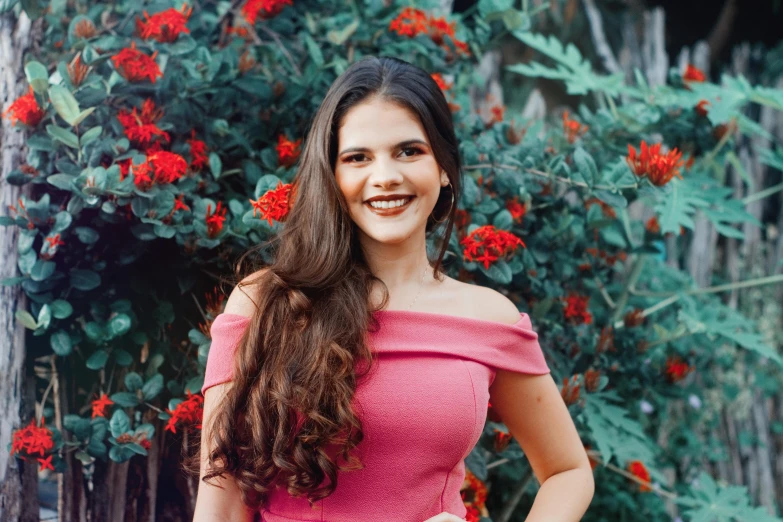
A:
(296, 367)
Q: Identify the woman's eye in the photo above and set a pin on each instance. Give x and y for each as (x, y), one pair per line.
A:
(350, 159)
(414, 149)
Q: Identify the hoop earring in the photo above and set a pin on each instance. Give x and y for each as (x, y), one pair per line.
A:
(438, 222)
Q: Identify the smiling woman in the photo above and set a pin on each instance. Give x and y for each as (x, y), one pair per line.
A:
(328, 395)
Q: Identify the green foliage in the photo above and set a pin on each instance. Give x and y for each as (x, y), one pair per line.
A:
(115, 266)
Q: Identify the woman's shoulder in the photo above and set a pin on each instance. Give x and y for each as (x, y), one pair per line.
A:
(244, 297)
(478, 302)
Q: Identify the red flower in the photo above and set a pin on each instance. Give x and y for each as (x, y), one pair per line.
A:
(570, 390)
(487, 244)
(164, 26)
(473, 492)
(46, 463)
(141, 127)
(99, 406)
(135, 66)
(25, 109)
(179, 204)
(676, 369)
(693, 74)
(412, 22)
(215, 221)
(659, 168)
(274, 204)
(198, 152)
(638, 469)
(576, 309)
(441, 82)
(652, 225)
(265, 9)
(32, 439)
(572, 128)
(189, 411)
(473, 514)
(167, 166)
(502, 440)
(701, 108)
(516, 209)
(287, 151)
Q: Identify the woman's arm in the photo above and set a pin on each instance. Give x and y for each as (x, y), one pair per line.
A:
(534, 412)
(213, 503)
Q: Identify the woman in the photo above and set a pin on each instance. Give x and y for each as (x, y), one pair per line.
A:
(353, 352)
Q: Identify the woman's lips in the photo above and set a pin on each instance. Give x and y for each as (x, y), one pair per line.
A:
(390, 211)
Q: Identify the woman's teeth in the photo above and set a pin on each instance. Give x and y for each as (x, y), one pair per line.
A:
(388, 204)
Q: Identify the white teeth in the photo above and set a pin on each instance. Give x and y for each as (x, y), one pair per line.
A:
(388, 204)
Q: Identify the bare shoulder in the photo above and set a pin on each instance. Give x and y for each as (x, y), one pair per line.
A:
(243, 299)
(489, 304)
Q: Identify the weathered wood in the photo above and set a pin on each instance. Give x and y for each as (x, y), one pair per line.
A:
(18, 480)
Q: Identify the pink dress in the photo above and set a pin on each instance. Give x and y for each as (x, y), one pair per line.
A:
(423, 407)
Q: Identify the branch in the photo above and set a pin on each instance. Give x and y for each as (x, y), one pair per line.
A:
(599, 38)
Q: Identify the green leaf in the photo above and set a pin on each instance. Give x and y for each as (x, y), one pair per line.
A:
(152, 387)
(498, 271)
(61, 181)
(85, 279)
(195, 384)
(121, 453)
(37, 76)
(90, 135)
(44, 316)
(215, 164)
(65, 136)
(586, 165)
(615, 433)
(97, 360)
(86, 235)
(708, 502)
(123, 357)
(119, 423)
(42, 270)
(313, 49)
(125, 399)
(118, 325)
(61, 343)
(133, 381)
(65, 104)
(503, 220)
(27, 320)
(61, 309)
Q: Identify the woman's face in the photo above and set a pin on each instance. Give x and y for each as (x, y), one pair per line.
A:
(382, 150)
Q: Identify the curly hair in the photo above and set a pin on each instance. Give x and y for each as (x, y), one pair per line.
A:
(298, 363)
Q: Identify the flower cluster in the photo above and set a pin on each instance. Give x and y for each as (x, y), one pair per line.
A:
(25, 109)
(501, 440)
(487, 244)
(164, 26)
(576, 309)
(639, 470)
(412, 22)
(474, 496)
(31, 440)
(198, 152)
(215, 219)
(99, 406)
(676, 369)
(188, 412)
(135, 66)
(659, 168)
(516, 209)
(572, 128)
(287, 151)
(265, 9)
(274, 204)
(570, 390)
(141, 127)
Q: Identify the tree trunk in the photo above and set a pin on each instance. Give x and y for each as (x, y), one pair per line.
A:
(18, 479)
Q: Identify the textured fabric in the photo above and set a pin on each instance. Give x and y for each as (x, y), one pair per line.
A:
(423, 408)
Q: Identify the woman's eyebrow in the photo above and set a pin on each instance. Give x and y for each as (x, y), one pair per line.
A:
(397, 146)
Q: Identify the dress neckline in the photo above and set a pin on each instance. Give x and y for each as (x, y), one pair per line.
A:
(430, 315)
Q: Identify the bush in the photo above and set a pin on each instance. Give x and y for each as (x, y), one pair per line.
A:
(163, 143)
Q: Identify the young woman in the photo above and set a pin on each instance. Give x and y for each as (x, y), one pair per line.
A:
(348, 379)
